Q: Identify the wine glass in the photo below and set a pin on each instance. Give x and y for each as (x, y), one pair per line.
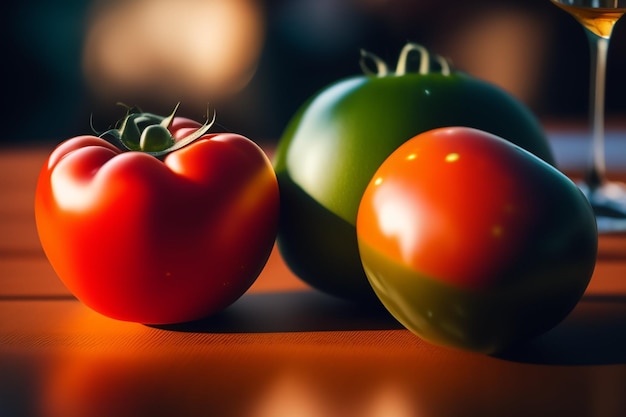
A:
(608, 198)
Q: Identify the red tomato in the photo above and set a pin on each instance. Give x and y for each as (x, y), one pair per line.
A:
(140, 239)
(471, 241)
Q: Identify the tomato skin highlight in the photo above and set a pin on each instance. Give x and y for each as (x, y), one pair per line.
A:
(472, 242)
(158, 242)
(337, 140)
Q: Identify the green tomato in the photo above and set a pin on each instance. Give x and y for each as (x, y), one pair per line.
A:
(337, 140)
(474, 243)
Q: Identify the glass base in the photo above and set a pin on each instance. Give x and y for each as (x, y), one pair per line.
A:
(609, 205)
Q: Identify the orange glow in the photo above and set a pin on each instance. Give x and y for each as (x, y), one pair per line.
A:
(290, 395)
(189, 50)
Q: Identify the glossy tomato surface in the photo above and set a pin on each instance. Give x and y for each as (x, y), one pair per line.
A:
(473, 242)
(338, 139)
(140, 239)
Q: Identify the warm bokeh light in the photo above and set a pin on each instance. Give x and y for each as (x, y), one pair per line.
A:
(172, 50)
(507, 47)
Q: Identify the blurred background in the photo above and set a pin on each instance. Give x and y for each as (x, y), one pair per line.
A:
(257, 61)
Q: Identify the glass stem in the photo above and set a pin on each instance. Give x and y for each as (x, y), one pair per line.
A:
(599, 50)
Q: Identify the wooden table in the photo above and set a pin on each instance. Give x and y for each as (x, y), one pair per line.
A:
(283, 349)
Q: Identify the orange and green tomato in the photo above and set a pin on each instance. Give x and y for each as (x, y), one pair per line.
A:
(473, 242)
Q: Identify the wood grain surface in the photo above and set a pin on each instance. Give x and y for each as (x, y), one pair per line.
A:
(284, 349)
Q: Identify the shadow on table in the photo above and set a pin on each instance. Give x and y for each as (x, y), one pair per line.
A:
(593, 334)
(301, 311)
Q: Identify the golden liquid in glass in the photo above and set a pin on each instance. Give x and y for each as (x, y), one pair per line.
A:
(597, 16)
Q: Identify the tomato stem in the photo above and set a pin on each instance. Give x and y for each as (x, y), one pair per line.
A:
(404, 56)
(187, 139)
(149, 133)
(401, 68)
(381, 66)
(425, 57)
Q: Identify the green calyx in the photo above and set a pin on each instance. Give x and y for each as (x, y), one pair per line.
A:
(424, 68)
(149, 133)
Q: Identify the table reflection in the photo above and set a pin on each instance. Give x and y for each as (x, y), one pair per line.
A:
(221, 367)
(322, 381)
